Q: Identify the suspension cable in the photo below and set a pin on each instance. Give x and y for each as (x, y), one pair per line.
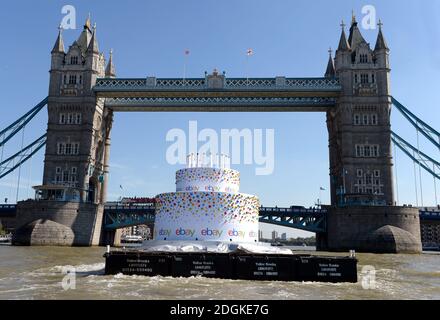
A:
(420, 167)
(435, 186)
(415, 180)
(3, 147)
(30, 177)
(19, 168)
(435, 182)
(395, 173)
(10, 182)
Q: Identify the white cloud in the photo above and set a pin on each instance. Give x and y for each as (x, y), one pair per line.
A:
(115, 165)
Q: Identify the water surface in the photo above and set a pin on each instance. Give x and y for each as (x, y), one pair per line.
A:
(37, 273)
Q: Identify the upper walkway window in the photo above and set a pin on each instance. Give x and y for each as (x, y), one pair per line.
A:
(72, 79)
(74, 60)
(363, 58)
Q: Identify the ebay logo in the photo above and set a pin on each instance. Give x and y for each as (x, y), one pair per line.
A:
(211, 232)
(211, 188)
(185, 232)
(192, 188)
(164, 232)
(236, 233)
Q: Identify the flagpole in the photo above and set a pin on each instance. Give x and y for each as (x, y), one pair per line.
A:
(184, 65)
(249, 52)
(184, 69)
(247, 69)
(319, 199)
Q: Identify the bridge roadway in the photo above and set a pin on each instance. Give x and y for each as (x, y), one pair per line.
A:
(117, 215)
(313, 220)
(217, 93)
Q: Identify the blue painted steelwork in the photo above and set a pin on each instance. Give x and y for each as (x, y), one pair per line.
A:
(425, 161)
(429, 215)
(13, 162)
(8, 210)
(9, 132)
(122, 216)
(429, 132)
(229, 84)
(312, 220)
(219, 101)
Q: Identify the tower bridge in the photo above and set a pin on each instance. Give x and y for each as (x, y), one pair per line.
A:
(120, 215)
(354, 92)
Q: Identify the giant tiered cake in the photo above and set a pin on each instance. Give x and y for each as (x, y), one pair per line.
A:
(207, 205)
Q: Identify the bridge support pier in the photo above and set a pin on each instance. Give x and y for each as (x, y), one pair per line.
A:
(372, 229)
(111, 237)
(57, 223)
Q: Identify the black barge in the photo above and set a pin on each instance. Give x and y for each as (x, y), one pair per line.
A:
(269, 267)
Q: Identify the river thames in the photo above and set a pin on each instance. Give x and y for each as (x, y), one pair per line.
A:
(37, 273)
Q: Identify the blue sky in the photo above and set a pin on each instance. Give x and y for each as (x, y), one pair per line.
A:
(289, 38)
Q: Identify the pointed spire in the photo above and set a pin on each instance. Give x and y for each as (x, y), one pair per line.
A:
(330, 72)
(343, 43)
(380, 42)
(353, 17)
(59, 43)
(110, 69)
(355, 37)
(85, 36)
(93, 45)
(88, 23)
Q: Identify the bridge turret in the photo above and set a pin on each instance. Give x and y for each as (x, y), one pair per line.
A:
(330, 71)
(57, 60)
(58, 50)
(343, 57)
(382, 57)
(85, 36)
(343, 43)
(94, 62)
(355, 39)
(110, 71)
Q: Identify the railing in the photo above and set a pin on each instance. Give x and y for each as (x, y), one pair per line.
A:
(172, 84)
(429, 215)
(7, 209)
(7, 206)
(229, 101)
(130, 206)
(292, 210)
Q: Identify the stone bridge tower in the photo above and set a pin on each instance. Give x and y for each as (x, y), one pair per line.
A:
(363, 215)
(69, 205)
(359, 127)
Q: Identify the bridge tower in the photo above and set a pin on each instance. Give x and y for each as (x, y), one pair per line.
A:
(363, 215)
(69, 204)
(359, 128)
